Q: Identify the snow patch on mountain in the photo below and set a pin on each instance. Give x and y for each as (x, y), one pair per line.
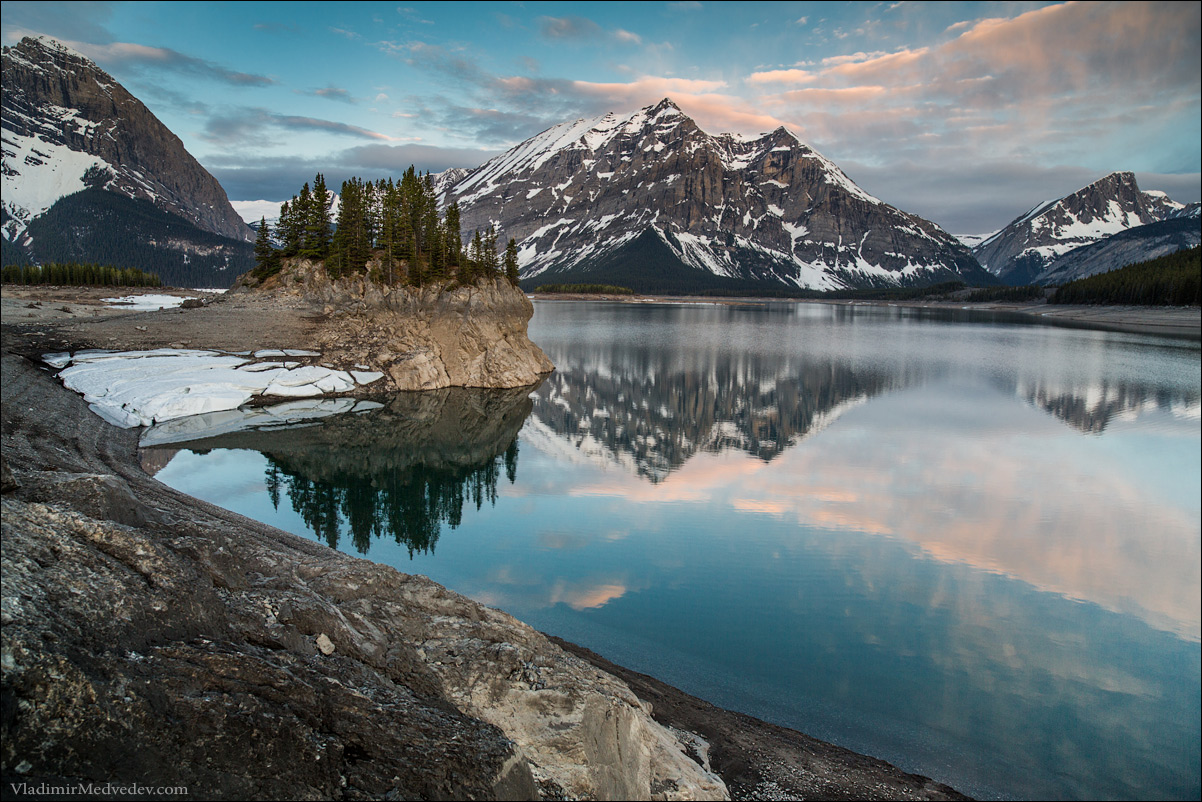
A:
(36, 173)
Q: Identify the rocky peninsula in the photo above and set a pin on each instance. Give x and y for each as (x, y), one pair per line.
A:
(422, 338)
(153, 639)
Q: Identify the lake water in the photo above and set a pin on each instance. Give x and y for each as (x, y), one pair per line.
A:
(964, 544)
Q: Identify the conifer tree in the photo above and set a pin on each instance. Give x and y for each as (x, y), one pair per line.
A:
(454, 237)
(511, 262)
(267, 261)
(389, 227)
(316, 244)
(491, 262)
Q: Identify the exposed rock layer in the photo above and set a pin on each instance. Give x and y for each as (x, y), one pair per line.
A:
(421, 338)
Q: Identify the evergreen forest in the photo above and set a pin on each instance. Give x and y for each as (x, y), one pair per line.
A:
(95, 225)
(75, 274)
(1171, 280)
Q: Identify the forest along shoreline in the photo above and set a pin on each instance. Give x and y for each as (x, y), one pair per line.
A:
(141, 621)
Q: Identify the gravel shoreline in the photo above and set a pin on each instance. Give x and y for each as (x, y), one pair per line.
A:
(757, 760)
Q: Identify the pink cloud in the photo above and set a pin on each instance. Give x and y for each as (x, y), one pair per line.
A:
(782, 76)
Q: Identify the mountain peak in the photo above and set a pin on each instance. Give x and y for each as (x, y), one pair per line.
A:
(47, 47)
(651, 192)
(70, 126)
(1022, 251)
(1117, 178)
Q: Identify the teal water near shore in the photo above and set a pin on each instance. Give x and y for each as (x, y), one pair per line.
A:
(967, 545)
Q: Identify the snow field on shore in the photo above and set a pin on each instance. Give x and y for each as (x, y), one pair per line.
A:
(139, 388)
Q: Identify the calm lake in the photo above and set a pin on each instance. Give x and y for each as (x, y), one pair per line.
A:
(964, 544)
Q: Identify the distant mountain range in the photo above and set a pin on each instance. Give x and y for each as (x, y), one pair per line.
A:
(90, 174)
(1098, 228)
(645, 200)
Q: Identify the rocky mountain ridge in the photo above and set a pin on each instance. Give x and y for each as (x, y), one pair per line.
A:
(1138, 244)
(1023, 250)
(719, 210)
(70, 126)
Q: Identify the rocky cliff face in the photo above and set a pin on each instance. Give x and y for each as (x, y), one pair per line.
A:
(69, 125)
(151, 638)
(1025, 248)
(421, 338)
(717, 210)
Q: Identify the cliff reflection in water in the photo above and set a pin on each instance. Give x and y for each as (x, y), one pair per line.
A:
(401, 471)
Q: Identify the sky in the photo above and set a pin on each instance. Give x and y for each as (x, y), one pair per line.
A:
(967, 114)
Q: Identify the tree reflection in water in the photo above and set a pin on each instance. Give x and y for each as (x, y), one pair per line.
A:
(401, 470)
(409, 504)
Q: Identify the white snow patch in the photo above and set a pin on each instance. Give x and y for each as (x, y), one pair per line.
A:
(36, 174)
(138, 388)
(148, 302)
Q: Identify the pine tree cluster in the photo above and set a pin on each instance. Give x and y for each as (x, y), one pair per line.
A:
(77, 274)
(396, 223)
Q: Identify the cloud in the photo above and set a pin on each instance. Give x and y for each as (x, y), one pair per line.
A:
(247, 176)
(334, 93)
(251, 126)
(1028, 90)
(130, 54)
(649, 86)
(782, 76)
(627, 36)
(568, 27)
(83, 22)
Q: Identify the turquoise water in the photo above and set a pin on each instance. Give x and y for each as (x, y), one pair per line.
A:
(963, 544)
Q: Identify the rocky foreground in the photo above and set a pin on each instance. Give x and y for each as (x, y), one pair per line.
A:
(152, 638)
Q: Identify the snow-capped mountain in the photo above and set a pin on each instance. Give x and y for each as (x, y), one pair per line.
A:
(70, 128)
(651, 201)
(1023, 250)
